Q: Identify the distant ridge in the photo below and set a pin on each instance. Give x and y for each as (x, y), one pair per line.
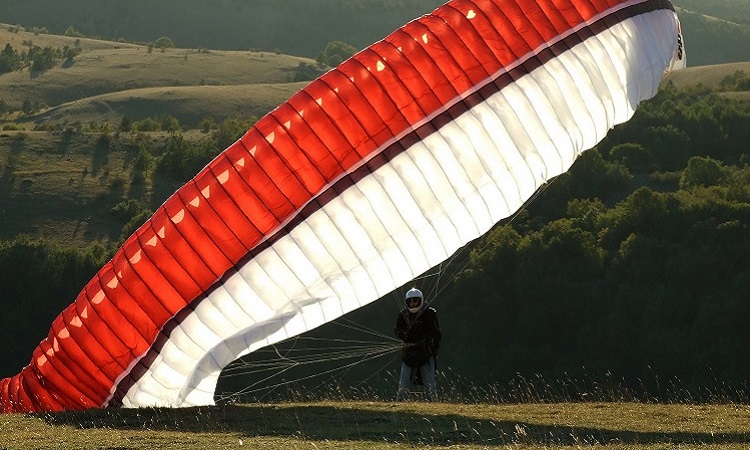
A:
(304, 27)
(709, 76)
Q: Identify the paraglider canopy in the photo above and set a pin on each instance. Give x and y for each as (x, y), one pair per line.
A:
(369, 176)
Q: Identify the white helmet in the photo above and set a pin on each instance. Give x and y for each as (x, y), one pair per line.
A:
(414, 293)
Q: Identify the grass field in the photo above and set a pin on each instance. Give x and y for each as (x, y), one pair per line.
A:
(189, 104)
(383, 425)
(109, 80)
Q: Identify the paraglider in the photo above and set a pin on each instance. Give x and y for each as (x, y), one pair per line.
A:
(370, 175)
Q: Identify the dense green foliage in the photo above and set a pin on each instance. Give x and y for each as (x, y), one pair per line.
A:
(335, 53)
(631, 266)
(10, 60)
(39, 278)
(38, 59)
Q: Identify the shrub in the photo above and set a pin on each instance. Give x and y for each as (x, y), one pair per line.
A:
(702, 172)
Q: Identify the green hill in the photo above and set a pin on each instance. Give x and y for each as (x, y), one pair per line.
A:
(710, 40)
(106, 81)
(716, 31)
(62, 186)
(189, 104)
(297, 27)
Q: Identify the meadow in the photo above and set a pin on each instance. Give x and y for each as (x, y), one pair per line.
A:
(387, 425)
(107, 81)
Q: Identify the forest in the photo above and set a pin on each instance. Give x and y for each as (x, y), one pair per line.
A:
(634, 263)
(631, 266)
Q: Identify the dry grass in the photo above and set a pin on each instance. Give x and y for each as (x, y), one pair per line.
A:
(190, 103)
(709, 76)
(16, 39)
(381, 425)
(108, 80)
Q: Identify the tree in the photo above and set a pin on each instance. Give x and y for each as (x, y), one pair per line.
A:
(72, 32)
(141, 164)
(307, 72)
(634, 156)
(181, 159)
(70, 52)
(43, 59)
(335, 53)
(670, 145)
(164, 43)
(229, 131)
(169, 123)
(126, 123)
(702, 172)
(10, 60)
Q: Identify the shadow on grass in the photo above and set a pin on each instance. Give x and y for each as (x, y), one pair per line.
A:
(329, 423)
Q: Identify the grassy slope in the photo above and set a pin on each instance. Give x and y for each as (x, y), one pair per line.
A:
(75, 91)
(368, 425)
(730, 10)
(707, 75)
(47, 194)
(61, 187)
(189, 104)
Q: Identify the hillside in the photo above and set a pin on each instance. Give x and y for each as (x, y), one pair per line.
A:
(63, 186)
(711, 40)
(266, 24)
(297, 27)
(108, 80)
(734, 11)
(709, 76)
(189, 104)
